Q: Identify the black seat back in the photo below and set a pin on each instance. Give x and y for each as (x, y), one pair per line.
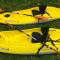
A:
(38, 36)
(42, 9)
(44, 31)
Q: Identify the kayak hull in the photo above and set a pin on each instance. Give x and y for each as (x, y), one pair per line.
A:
(16, 42)
(25, 16)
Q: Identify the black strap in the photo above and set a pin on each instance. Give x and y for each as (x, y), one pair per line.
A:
(45, 30)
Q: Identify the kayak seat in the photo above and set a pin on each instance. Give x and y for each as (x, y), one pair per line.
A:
(38, 36)
(40, 11)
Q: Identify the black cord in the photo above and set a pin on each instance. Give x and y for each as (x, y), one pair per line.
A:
(48, 14)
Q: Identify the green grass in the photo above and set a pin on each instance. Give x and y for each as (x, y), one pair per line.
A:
(9, 5)
(20, 57)
(31, 57)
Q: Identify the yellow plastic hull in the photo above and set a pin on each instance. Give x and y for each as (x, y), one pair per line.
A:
(16, 42)
(17, 17)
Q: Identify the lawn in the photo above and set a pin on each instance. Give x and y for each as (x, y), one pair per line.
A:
(24, 57)
(10, 5)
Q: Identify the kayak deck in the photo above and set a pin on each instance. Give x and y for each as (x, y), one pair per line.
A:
(16, 42)
(18, 17)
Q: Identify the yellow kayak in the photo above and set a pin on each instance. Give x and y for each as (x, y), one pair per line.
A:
(16, 42)
(18, 17)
